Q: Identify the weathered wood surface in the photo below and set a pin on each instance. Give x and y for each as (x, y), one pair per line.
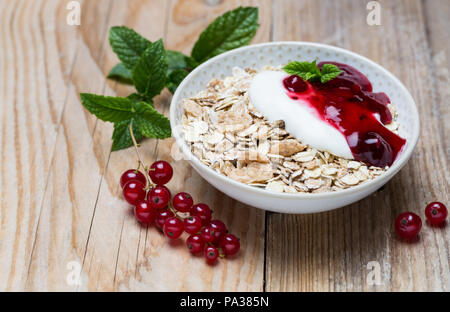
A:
(60, 197)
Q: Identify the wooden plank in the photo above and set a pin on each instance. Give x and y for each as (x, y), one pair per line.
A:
(84, 218)
(31, 61)
(143, 258)
(330, 251)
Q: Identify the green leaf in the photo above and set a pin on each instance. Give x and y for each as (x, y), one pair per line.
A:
(309, 71)
(127, 44)
(107, 108)
(135, 97)
(120, 74)
(175, 78)
(149, 74)
(121, 136)
(177, 60)
(329, 72)
(305, 70)
(151, 124)
(232, 30)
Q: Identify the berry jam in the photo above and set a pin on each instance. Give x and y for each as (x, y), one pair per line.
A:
(348, 104)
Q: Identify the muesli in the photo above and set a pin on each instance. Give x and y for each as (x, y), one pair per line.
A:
(227, 133)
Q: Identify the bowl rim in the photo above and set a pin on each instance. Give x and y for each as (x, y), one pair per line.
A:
(398, 164)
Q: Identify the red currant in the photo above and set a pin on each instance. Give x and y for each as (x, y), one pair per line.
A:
(182, 202)
(161, 172)
(192, 224)
(161, 217)
(211, 254)
(159, 197)
(295, 84)
(408, 225)
(208, 234)
(203, 211)
(173, 227)
(436, 213)
(133, 192)
(219, 230)
(230, 244)
(195, 243)
(144, 212)
(132, 175)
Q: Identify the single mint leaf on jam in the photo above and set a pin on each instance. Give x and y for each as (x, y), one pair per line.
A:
(149, 74)
(121, 136)
(232, 30)
(151, 124)
(120, 74)
(305, 70)
(329, 72)
(309, 71)
(107, 108)
(127, 44)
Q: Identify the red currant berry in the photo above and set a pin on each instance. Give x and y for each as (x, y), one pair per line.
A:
(230, 244)
(132, 175)
(219, 230)
(408, 225)
(159, 197)
(161, 217)
(192, 224)
(195, 243)
(203, 211)
(208, 234)
(144, 212)
(211, 254)
(295, 84)
(161, 172)
(173, 227)
(436, 213)
(182, 202)
(133, 192)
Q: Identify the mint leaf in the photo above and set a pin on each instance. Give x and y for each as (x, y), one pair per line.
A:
(175, 78)
(309, 71)
(232, 30)
(329, 72)
(149, 74)
(305, 70)
(127, 44)
(107, 108)
(150, 122)
(135, 97)
(121, 136)
(120, 74)
(177, 60)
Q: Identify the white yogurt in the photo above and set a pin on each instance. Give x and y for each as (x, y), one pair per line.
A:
(269, 97)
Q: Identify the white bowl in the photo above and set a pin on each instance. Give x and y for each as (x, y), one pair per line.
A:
(276, 53)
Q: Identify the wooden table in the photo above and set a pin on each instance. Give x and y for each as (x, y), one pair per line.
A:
(62, 212)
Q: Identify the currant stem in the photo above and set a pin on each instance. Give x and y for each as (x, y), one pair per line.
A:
(140, 162)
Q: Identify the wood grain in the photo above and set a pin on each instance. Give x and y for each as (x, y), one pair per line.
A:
(330, 251)
(61, 204)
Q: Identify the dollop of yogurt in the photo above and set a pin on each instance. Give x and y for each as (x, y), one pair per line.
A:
(268, 95)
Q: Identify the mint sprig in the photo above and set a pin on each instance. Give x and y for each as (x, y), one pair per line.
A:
(309, 71)
(149, 68)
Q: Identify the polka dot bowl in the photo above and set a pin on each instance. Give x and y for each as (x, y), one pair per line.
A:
(276, 53)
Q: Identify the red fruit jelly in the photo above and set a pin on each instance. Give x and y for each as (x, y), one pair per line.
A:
(348, 104)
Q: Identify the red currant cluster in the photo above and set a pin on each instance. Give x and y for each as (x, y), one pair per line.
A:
(153, 204)
(408, 224)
